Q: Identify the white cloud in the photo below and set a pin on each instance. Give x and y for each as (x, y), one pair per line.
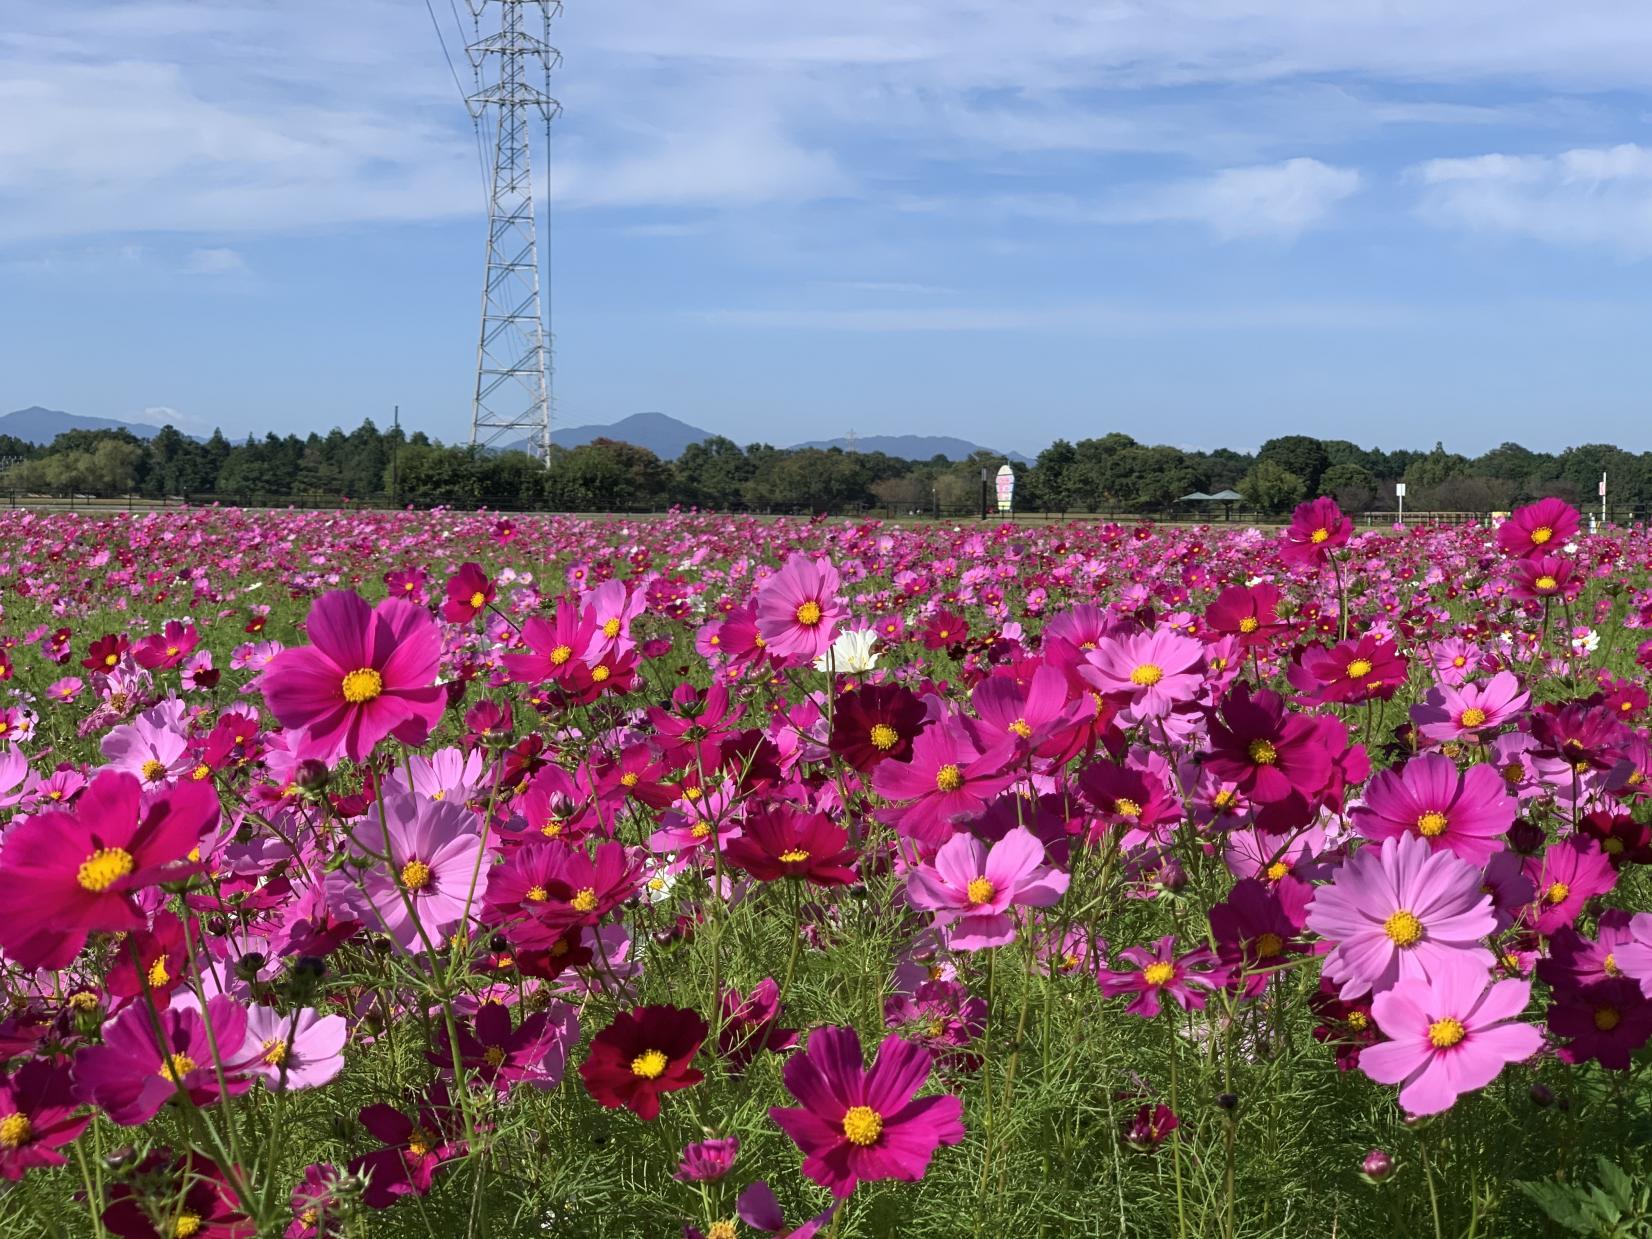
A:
(1271, 200)
(216, 261)
(1598, 197)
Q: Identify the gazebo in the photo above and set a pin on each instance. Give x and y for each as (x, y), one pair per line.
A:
(1227, 498)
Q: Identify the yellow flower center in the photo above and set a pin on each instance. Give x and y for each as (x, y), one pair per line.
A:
(153, 771)
(808, 614)
(1403, 928)
(1612, 846)
(1269, 945)
(1249, 624)
(1126, 807)
(1320, 535)
(630, 779)
(949, 778)
(883, 737)
(1431, 824)
(561, 654)
(1474, 716)
(103, 868)
(416, 875)
(200, 772)
(552, 828)
(701, 830)
(1358, 1021)
(1158, 974)
(158, 974)
(1557, 892)
(1022, 728)
(494, 1056)
(1610, 965)
(862, 1125)
(15, 1131)
(1606, 1018)
(187, 1224)
(420, 1142)
(537, 894)
(600, 673)
(610, 628)
(478, 600)
(722, 1229)
(83, 1000)
(1147, 675)
(1443, 1034)
(650, 1065)
(1545, 583)
(109, 660)
(1542, 534)
(585, 900)
(275, 1052)
(1277, 870)
(794, 857)
(1224, 798)
(1359, 669)
(176, 1067)
(980, 890)
(362, 685)
(1262, 752)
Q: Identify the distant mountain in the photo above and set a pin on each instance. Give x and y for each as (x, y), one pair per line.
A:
(916, 447)
(665, 436)
(37, 425)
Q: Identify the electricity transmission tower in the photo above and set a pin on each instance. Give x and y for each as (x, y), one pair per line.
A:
(512, 70)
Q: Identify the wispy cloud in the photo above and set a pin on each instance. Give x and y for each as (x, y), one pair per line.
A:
(214, 261)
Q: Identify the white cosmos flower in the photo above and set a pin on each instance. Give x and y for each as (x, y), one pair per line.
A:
(850, 653)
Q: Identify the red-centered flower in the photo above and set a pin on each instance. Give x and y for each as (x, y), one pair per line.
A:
(37, 1117)
(370, 672)
(1270, 755)
(855, 1124)
(1538, 529)
(68, 874)
(777, 841)
(1249, 613)
(798, 609)
(198, 1202)
(875, 723)
(951, 774)
(1363, 669)
(468, 593)
(645, 1052)
(1317, 528)
(131, 1075)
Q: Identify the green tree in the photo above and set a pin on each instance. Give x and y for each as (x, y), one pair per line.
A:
(1272, 489)
(1299, 454)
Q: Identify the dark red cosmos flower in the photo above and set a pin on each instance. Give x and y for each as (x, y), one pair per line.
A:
(67, 874)
(468, 593)
(106, 652)
(1269, 754)
(645, 1052)
(37, 1117)
(1256, 930)
(1346, 1024)
(945, 628)
(1317, 528)
(1249, 613)
(1362, 669)
(415, 1148)
(199, 1203)
(1149, 1127)
(752, 1024)
(154, 959)
(1606, 1021)
(875, 723)
(779, 842)
(1622, 839)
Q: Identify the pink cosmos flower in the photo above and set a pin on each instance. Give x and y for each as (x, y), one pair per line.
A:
(951, 774)
(1400, 911)
(69, 874)
(370, 672)
(468, 593)
(434, 874)
(1467, 712)
(1538, 529)
(1149, 672)
(972, 887)
(1566, 876)
(131, 1075)
(1447, 1037)
(798, 609)
(1461, 812)
(1158, 973)
(297, 1049)
(1317, 528)
(534, 1053)
(856, 1124)
(37, 1117)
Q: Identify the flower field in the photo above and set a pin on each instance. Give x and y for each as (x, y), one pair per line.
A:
(383, 874)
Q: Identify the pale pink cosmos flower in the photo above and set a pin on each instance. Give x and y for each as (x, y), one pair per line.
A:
(294, 1049)
(1149, 672)
(1468, 711)
(971, 887)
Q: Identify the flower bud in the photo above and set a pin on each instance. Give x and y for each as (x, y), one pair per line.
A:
(1377, 1166)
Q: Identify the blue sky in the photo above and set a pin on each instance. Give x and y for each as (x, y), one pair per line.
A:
(1201, 222)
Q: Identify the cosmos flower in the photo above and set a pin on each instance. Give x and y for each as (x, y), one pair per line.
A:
(971, 887)
(131, 1075)
(469, 591)
(37, 1117)
(854, 1124)
(645, 1053)
(1149, 672)
(851, 653)
(1538, 529)
(777, 841)
(1317, 528)
(952, 774)
(1468, 711)
(798, 609)
(1157, 973)
(432, 875)
(1465, 812)
(298, 1049)
(875, 723)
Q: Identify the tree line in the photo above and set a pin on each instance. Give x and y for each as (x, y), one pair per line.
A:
(1112, 473)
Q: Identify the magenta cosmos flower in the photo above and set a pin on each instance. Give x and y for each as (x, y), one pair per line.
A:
(1462, 812)
(950, 775)
(972, 887)
(1538, 528)
(856, 1124)
(1400, 911)
(1157, 973)
(131, 1075)
(1447, 1037)
(37, 1117)
(368, 673)
(1317, 528)
(1150, 672)
(1465, 711)
(798, 609)
(433, 875)
(68, 874)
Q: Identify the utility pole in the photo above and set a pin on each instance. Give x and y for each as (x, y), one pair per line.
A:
(512, 402)
(395, 456)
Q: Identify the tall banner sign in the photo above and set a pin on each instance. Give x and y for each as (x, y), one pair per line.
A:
(1006, 489)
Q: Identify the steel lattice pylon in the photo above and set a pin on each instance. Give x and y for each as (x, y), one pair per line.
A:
(514, 351)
